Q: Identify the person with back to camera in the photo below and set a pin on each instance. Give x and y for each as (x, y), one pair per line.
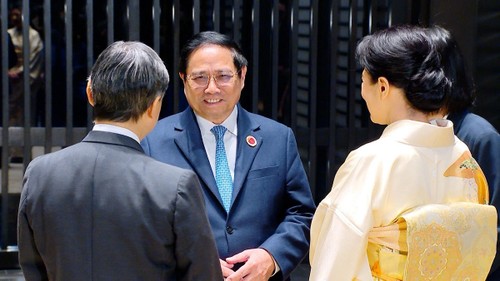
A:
(404, 207)
(478, 134)
(103, 210)
(258, 199)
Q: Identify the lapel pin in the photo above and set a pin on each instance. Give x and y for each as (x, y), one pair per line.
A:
(251, 141)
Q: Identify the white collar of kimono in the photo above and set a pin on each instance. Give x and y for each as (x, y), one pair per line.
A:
(438, 133)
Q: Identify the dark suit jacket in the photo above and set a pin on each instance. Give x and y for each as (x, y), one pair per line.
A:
(484, 143)
(103, 210)
(272, 206)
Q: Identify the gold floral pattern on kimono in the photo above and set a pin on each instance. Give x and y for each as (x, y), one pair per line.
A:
(454, 241)
(466, 167)
(450, 242)
(437, 250)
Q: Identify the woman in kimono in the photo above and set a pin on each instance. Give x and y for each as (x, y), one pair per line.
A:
(361, 230)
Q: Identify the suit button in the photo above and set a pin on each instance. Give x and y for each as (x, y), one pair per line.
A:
(229, 230)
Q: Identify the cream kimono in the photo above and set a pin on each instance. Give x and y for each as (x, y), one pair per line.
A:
(412, 164)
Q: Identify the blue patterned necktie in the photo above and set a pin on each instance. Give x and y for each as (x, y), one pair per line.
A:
(222, 173)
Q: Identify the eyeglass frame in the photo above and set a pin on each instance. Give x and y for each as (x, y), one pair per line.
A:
(210, 76)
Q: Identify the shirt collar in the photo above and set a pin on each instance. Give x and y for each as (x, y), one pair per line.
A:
(230, 123)
(116, 130)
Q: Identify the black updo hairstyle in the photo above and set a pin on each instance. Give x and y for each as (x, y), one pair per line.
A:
(462, 94)
(408, 60)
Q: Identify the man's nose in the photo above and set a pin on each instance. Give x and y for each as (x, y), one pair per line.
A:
(212, 85)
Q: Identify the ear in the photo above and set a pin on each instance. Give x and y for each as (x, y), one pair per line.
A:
(156, 105)
(243, 75)
(182, 76)
(90, 96)
(383, 87)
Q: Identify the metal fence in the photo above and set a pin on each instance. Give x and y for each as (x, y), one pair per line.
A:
(302, 70)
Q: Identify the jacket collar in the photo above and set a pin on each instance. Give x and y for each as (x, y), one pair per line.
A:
(112, 138)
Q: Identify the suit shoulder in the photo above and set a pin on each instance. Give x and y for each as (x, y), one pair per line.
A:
(69, 152)
(267, 123)
(169, 121)
(166, 171)
(164, 125)
(475, 128)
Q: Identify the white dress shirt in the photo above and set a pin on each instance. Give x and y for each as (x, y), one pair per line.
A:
(230, 139)
(116, 130)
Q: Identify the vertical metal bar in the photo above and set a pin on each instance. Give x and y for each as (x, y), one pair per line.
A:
(47, 25)
(313, 95)
(294, 30)
(69, 69)
(196, 16)
(134, 22)
(90, 50)
(156, 25)
(26, 83)
(256, 54)
(274, 58)
(5, 125)
(237, 21)
(110, 14)
(372, 16)
(352, 73)
(332, 144)
(390, 13)
(216, 15)
(373, 20)
(176, 22)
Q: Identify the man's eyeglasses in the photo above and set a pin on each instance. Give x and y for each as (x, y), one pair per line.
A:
(201, 80)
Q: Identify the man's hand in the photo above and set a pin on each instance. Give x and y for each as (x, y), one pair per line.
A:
(226, 268)
(259, 265)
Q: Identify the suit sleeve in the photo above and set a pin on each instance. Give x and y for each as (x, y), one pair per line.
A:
(29, 258)
(195, 249)
(290, 243)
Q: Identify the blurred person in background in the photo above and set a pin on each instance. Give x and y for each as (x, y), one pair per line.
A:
(35, 70)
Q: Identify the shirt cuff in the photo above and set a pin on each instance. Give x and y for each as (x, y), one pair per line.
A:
(276, 266)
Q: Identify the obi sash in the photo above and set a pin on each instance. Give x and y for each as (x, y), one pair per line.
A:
(454, 241)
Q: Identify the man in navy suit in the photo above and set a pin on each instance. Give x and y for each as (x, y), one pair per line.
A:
(101, 209)
(263, 232)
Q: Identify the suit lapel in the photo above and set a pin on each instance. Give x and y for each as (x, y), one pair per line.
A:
(188, 140)
(245, 153)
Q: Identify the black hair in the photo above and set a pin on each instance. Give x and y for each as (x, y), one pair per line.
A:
(211, 38)
(462, 94)
(406, 58)
(125, 80)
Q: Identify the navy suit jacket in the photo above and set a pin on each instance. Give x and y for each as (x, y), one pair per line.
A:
(484, 143)
(102, 210)
(272, 205)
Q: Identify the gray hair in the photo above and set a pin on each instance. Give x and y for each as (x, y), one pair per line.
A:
(125, 80)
